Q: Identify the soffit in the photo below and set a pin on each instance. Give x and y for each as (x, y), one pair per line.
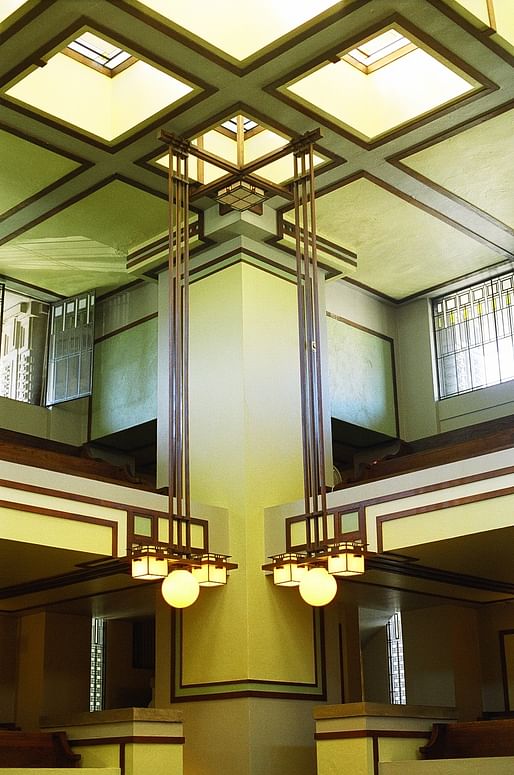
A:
(86, 244)
(22, 563)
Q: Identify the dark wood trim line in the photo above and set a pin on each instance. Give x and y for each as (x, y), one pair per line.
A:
(30, 287)
(25, 19)
(125, 739)
(467, 277)
(503, 662)
(413, 570)
(465, 203)
(127, 327)
(430, 507)
(376, 755)
(71, 496)
(447, 484)
(483, 37)
(66, 515)
(108, 568)
(78, 197)
(256, 60)
(351, 734)
(176, 679)
(118, 290)
(37, 607)
(437, 214)
(44, 191)
(452, 131)
(130, 136)
(432, 595)
(47, 146)
(487, 86)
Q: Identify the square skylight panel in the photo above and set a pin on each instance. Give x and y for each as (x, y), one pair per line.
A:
(98, 50)
(380, 84)
(73, 80)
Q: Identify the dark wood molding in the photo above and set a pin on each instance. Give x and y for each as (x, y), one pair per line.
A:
(72, 496)
(127, 327)
(351, 734)
(504, 672)
(483, 37)
(124, 739)
(430, 507)
(66, 515)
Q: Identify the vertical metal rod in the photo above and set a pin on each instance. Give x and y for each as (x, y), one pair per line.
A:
(317, 353)
(178, 301)
(171, 336)
(301, 334)
(309, 338)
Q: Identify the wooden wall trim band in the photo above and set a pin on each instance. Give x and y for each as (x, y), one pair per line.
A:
(113, 525)
(127, 327)
(124, 739)
(373, 733)
(430, 507)
(71, 496)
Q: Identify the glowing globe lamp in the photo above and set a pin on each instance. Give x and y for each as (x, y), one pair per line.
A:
(318, 587)
(180, 589)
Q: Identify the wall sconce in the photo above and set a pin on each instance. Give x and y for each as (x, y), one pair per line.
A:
(314, 573)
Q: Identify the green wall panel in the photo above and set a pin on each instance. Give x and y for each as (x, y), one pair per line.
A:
(125, 380)
(361, 376)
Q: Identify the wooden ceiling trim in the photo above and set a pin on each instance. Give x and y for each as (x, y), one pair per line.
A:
(482, 36)
(27, 16)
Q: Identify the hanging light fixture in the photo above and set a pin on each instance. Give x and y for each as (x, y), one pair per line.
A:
(175, 560)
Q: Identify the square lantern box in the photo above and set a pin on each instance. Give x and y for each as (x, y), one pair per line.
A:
(211, 571)
(346, 560)
(287, 571)
(149, 563)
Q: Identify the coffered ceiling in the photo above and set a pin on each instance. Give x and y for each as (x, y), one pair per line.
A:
(416, 171)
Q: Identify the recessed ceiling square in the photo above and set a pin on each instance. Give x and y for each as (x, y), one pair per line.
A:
(239, 29)
(382, 82)
(66, 89)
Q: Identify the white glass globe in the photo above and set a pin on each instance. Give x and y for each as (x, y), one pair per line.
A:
(318, 587)
(180, 589)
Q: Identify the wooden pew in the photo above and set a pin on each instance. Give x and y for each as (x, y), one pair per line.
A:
(36, 749)
(470, 739)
